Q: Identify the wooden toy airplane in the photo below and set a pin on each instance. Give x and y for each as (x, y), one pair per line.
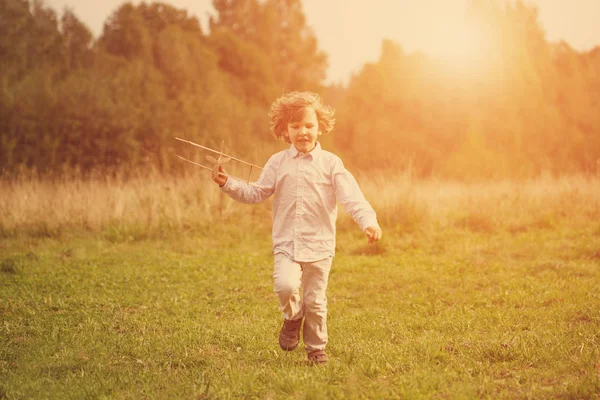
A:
(223, 158)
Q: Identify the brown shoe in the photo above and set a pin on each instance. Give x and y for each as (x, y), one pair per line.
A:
(317, 357)
(290, 334)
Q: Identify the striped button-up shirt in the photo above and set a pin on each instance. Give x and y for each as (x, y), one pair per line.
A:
(306, 188)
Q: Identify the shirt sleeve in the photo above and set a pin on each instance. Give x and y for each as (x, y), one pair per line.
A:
(349, 195)
(255, 192)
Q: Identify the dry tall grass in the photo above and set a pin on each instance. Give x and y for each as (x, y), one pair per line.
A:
(156, 203)
(152, 202)
(485, 206)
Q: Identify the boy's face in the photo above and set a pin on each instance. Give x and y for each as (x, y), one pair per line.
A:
(303, 133)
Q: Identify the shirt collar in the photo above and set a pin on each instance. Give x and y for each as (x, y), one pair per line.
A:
(316, 152)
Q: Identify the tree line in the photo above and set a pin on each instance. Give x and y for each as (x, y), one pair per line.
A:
(69, 100)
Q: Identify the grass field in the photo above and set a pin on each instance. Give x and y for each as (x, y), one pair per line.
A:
(162, 288)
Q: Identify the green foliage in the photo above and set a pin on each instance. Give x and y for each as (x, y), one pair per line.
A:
(69, 100)
(77, 40)
(117, 102)
(126, 34)
(279, 30)
(527, 107)
(249, 69)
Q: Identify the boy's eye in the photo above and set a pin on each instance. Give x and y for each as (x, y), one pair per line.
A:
(308, 126)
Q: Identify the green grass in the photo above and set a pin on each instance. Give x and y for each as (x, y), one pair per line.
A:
(456, 311)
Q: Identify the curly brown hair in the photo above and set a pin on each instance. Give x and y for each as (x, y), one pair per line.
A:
(291, 107)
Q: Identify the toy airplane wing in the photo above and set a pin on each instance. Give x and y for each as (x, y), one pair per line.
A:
(222, 159)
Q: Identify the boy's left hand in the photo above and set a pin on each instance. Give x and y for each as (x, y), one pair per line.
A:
(373, 233)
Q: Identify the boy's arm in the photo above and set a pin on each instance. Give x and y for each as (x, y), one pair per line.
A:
(244, 192)
(349, 195)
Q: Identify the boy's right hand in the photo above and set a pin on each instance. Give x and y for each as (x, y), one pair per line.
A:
(219, 175)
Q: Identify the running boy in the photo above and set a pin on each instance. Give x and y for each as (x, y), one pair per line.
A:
(307, 183)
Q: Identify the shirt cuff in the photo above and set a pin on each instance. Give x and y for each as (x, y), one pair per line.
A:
(228, 187)
(369, 222)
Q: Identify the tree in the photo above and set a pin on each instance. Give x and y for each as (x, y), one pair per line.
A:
(77, 41)
(126, 34)
(279, 29)
(252, 75)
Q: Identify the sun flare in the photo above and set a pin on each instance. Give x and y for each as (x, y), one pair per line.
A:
(460, 45)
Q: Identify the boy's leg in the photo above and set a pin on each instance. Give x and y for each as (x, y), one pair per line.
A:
(314, 287)
(287, 277)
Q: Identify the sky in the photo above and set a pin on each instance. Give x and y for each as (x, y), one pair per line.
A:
(351, 31)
